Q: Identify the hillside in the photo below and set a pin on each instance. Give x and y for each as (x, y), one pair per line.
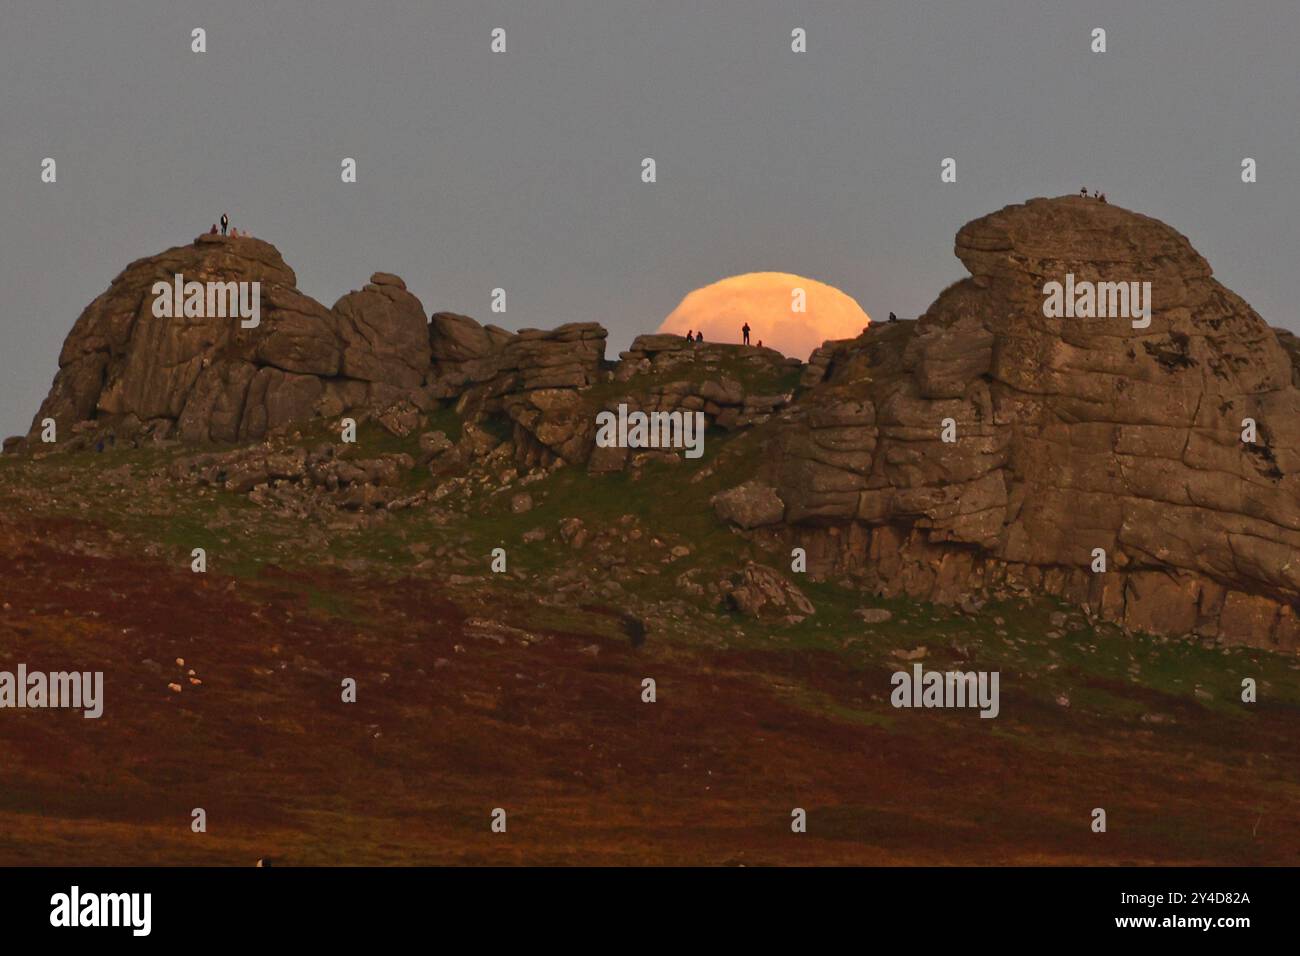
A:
(522, 688)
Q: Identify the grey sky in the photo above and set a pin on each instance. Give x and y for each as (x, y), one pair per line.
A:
(522, 170)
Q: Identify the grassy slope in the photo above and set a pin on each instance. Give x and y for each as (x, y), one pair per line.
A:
(1133, 702)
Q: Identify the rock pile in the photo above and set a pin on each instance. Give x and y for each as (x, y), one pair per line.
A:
(298, 481)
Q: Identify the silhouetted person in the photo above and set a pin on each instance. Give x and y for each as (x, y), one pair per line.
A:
(690, 335)
(699, 336)
(1083, 193)
(744, 331)
(892, 317)
(213, 230)
(760, 343)
(225, 222)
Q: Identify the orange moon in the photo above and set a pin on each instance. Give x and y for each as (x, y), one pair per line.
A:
(768, 301)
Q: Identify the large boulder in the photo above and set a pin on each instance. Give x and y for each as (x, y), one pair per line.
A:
(989, 445)
(457, 338)
(749, 505)
(385, 334)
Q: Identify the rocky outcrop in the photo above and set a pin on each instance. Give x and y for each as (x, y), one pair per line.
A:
(820, 361)
(666, 373)
(454, 339)
(1148, 472)
(209, 378)
(660, 354)
(703, 376)
(477, 364)
(987, 445)
(203, 378)
(459, 347)
(534, 379)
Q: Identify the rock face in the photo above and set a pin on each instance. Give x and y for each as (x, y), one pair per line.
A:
(385, 334)
(1070, 437)
(455, 339)
(209, 379)
(533, 377)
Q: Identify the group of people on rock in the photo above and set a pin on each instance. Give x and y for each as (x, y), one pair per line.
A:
(693, 336)
(225, 224)
(1095, 195)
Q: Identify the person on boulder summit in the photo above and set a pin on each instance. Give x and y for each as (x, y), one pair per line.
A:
(225, 222)
(699, 336)
(744, 331)
(892, 317)
(690, 335)
(213, 230)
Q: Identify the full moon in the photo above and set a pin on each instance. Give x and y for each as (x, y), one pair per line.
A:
(770, 303)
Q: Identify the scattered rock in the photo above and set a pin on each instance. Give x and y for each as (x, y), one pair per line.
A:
(761, 591)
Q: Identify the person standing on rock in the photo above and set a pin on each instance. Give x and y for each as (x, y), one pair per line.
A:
(690, 335)
(225, 222)
(699, 336)
(744, 331)
(213, 230)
